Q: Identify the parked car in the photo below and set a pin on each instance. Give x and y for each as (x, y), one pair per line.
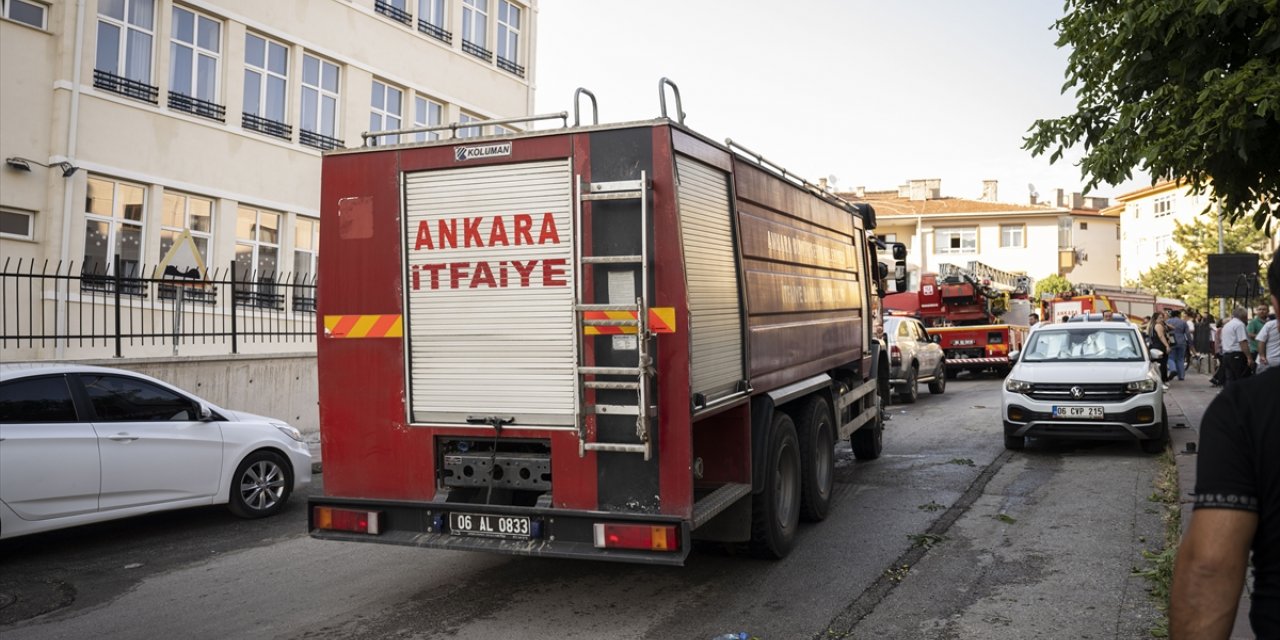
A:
(1085, 380)
(913, 358)
(81, 444)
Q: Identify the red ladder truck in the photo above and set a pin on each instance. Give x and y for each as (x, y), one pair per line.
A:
(596, 341)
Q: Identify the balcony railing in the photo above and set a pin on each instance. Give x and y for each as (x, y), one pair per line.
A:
(269, 127)
(318, 140)
(393, 12)
(509, 65)
(108, 81)
(196, 106)
(477, 50)
(435, 31)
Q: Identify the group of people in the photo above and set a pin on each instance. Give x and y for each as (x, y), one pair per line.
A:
(1238, 348)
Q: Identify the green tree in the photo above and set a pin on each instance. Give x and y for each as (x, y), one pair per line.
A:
(1052, 284)
(1185, 276)
(1184, 89)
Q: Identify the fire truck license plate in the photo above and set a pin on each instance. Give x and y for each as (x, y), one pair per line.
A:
(489, 526)
(1090, 413)
(962, 343)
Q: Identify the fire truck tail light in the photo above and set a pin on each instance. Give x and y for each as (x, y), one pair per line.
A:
(331, 519)
(636, 536)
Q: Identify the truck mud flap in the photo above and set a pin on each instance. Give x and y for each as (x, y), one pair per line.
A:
(553, 533)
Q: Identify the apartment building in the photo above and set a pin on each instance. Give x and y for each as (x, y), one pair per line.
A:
(1069, 235)
(130, 126)
(1148, 217)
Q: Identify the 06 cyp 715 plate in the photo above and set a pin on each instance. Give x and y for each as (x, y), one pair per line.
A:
(489, 526)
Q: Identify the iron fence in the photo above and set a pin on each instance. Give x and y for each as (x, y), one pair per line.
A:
(47, 306)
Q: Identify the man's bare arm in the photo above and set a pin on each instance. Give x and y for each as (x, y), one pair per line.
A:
(1209, 573)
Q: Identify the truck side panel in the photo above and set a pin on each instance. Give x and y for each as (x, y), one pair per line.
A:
(803, 267)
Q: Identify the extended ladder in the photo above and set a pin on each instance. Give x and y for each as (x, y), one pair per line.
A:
(638, 320)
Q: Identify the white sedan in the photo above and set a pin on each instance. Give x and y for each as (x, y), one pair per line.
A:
(1085, 380)
(82, 444)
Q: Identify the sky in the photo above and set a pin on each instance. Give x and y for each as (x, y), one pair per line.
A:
(874, 93)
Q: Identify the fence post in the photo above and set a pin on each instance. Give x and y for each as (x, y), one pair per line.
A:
(233, 307)
(118, 283)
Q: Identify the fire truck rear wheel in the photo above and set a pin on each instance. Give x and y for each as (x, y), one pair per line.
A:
(911, 389)
(817, 459)
(775, 512)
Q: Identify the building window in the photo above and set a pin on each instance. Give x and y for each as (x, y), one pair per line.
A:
(306, 239)
(318, 126)
(385, 112)
(1163, 244)
(431, 19)
(186, 213)
(887, 238)
(1163, 206)
(113, 219)
(257, 245)
(1117, 232)
(426, 113)
(509, 38)
(126, 29)
(468, 132)
(1117, 263)
(266, 82)
(26, 12)
(16, 224)
(475, 28)
(394, 9)
(1084, 226)
(963, 240)
(195, 52)
(1064, 233)
(1013, 235)
(499, 130)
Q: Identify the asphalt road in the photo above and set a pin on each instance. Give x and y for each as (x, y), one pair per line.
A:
(946, 535)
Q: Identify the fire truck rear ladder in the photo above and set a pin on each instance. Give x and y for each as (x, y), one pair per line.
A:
(643, 371)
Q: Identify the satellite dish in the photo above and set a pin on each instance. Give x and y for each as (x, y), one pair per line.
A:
(831, 180)
(1032, 189)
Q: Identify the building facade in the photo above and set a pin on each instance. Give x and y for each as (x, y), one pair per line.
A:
(1071, 237)
(131, 125)
(1148, 218)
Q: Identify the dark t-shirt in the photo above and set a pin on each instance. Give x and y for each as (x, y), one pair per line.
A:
(1239, 468)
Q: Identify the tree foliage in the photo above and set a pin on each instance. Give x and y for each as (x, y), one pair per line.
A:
(1184, 89)
(1186, 275)
(1052, 284)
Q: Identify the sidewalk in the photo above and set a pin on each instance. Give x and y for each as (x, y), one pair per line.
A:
(1186, 401)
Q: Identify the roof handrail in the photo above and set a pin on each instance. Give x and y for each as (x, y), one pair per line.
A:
(595, 110)
(453, 127)
(781, 171)
(662, 98)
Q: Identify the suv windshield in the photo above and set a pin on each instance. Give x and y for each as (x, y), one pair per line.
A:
(1084, 344)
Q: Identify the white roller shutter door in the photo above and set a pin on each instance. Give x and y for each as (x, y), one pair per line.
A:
(712, 276)
(497, 339)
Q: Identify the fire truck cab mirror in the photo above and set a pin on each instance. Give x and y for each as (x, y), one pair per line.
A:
(899, 251)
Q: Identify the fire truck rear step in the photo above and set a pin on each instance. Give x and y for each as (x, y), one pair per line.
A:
(716, 501)
(612, 259)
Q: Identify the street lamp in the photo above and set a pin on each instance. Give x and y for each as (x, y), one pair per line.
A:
(24, 164)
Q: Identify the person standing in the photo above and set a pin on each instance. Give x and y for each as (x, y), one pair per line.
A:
(1237, 360)
(1237, 508)
(1254, 326)
(1269, 345)
(1179, 338)
(1203, 340)
(1158, 336)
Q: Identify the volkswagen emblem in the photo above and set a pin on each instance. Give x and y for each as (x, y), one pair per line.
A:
(1077, 393)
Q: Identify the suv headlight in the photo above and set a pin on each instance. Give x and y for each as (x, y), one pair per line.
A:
(1017, 386)
(1141, 386)
(288, 430)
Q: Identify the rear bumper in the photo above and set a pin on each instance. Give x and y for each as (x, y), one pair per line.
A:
(559, 533)
(959, 363)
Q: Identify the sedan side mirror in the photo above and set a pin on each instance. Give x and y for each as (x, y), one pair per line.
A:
(205, 414)
(1155, 354)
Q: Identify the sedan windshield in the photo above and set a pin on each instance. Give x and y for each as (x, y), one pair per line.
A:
(1084, 344)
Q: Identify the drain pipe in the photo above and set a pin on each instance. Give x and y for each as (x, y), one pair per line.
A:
(68, 186)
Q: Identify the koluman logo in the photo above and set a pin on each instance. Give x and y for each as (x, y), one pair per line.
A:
(462, 154)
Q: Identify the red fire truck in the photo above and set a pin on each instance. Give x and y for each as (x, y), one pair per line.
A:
(963, 311)
(596, 341)
(1134, 303)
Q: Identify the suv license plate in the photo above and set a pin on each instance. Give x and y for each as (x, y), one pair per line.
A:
(1089, 413)
(489, 526)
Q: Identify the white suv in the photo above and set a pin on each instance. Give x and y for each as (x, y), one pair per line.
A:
(1085, 380)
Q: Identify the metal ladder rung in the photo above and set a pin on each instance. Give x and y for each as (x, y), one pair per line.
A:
(617, 447)
(618, 410)
(614, 195)
(611, 259)
(611, 371)
(611, 386)
(616, 185)
(607, 307)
